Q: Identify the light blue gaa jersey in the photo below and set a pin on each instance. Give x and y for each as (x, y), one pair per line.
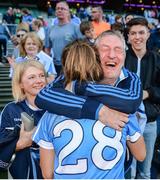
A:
(85, 148)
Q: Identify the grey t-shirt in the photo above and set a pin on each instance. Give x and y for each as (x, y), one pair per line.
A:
(59, 36)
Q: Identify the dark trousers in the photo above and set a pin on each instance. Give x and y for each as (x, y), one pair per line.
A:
(3, 45)
(58, 69)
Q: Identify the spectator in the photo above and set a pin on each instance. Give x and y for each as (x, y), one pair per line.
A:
(17, 16)
(74, 18)
(87, 30)
(118, 19)
(29, 78)
(146, 64)
(83, 14)
(24, 26)
(50, 11)
(118, 27)
(9, 20)
(97, 20)
(154, 41)
(8, 17)
(4, 35)
(31, 47)
(22, 29)
(61, 34)
(128, 17)
(44, 22)
(26, 16)
(38, 28)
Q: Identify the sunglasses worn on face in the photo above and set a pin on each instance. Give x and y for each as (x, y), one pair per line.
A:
(20, 35)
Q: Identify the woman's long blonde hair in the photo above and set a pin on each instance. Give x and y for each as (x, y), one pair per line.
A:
(19, 70)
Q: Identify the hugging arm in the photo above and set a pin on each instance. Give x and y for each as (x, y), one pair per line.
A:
(55, 99)
(127, 92)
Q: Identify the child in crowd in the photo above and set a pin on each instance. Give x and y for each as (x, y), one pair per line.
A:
(87, 30)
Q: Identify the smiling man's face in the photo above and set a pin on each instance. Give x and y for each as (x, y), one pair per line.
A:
(112, 55)
(138, 36)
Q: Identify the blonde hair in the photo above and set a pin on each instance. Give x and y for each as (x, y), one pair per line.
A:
(37, 23)
(35, 38)
(19, 70)
(23, 27)
(81, 62)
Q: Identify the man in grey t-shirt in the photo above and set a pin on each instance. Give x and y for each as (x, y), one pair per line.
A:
(61, 34)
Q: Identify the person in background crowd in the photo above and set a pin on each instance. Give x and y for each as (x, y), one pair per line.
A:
(127, 18)
(155, 168)
(74, 18)
(146, 64)
(26, 16)
(31, 47)
(8, 17)
(17, 15)
(118, 27)
(24, 26)
(83, 14)
(4, 36)
(119, 19)
(87, 30)
(154, 40)
(61, 34)
(54, 130)
(50, 11)
(97, 20)
(9, 20)
(16, 41)
(28, 79)
(22, 29)
(38, 28)
(43, 21)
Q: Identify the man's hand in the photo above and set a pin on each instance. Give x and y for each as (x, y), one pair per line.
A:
(113, 118)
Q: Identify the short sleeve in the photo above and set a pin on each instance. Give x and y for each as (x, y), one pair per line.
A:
(133, 129)
(43, 135)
